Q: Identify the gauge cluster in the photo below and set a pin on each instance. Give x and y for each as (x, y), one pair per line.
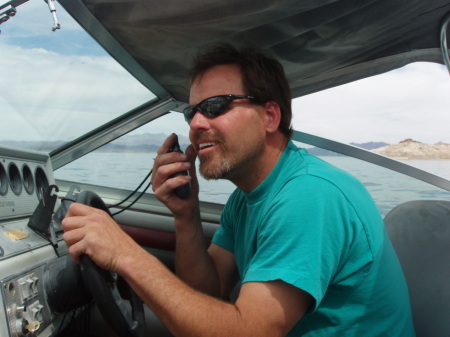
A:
(24, 175)
(28, 260)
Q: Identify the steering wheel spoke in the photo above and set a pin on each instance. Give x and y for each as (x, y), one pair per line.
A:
(109, 290)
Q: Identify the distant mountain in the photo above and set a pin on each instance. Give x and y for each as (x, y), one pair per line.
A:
(150, 142)
(146, 142)
(370, 145)
(411, 149)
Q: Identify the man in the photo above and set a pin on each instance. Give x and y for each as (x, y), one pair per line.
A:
(304, 238)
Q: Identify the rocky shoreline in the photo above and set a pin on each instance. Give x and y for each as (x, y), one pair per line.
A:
(411, 149)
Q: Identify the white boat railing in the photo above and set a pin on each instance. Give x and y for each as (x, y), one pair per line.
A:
(371, 157)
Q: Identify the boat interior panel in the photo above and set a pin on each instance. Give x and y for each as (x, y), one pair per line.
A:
(321, 44)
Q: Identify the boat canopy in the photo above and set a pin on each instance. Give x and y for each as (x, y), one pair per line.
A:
(321, 43)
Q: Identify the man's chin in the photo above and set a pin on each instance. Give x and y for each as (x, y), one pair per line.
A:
(210, 174)
(209, 171)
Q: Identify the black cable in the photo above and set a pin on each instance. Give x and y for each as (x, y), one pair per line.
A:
(84, 310)
(67, 199)
(134, 201)
(135, 191)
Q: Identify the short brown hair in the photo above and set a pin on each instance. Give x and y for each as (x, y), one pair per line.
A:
(263, 76)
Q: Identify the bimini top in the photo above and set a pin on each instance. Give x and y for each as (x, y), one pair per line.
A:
(321, 43)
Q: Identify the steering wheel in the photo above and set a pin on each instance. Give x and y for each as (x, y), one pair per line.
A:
(109, 290)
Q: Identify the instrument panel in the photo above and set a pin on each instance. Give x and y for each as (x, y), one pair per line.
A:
(23, 177)
(29, 260)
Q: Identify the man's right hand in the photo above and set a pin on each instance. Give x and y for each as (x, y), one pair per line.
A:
(167, 164)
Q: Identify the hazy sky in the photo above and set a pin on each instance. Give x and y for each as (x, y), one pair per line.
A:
(412, 102)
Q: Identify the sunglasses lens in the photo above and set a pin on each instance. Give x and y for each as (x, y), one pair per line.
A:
(214, 106)
(189, 113)
(211, 107)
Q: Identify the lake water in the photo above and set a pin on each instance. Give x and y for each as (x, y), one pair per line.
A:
(126, 171)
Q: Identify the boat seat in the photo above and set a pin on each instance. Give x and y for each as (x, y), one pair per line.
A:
(420, 234)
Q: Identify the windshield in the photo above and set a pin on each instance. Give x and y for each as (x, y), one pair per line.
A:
(57, 85)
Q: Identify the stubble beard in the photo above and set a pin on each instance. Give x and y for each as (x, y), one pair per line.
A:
(227, 166)
(211, 170)
(214, 166)
(231, 163)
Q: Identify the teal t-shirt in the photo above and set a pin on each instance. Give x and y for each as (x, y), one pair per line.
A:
(316, 227)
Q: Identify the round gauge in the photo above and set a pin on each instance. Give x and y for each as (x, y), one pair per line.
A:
(41, 182)
(28, 182)
(3, 180)
(15, 180)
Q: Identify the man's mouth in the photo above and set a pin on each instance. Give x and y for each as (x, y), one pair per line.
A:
(203, 146)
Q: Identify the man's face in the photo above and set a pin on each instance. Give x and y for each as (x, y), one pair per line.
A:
(229, 145)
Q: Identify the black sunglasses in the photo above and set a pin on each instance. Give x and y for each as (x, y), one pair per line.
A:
(213, 106)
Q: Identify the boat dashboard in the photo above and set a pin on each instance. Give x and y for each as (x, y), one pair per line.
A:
(94, 115)
(43, 292)
(33, 257)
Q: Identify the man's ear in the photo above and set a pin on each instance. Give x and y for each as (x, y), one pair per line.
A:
(273, 116)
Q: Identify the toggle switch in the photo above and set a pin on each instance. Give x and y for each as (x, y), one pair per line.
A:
(33, 326)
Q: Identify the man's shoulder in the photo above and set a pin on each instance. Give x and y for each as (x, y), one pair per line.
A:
(312, 177)
(300, 163)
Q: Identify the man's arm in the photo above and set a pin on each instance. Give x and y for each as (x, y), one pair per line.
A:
(226, 269)
(262, 308)
(193, 264)
(211, 271)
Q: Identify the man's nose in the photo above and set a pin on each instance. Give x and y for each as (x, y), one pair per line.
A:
(200, 121)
